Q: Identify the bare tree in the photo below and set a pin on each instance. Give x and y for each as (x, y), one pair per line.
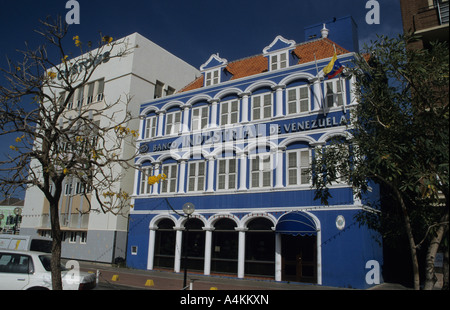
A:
(57, 138)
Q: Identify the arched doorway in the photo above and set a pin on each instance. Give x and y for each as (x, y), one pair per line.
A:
(164, 256)
(195, 245)
(260, 248)
(298, 247)
(224, 247)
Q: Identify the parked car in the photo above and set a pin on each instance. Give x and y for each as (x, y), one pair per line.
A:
(24, 242)
(29, 270)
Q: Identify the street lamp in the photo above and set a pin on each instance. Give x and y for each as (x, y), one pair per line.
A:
(1, 218)
(17, 212)
(188, 209)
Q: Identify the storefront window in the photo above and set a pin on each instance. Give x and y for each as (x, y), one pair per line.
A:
(224, 252)
(165, 244)
(195, 245)
(260, 248)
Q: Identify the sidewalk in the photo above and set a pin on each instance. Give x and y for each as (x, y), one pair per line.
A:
(166, 280)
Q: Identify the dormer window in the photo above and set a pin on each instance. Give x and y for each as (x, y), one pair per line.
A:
(279, 61)
(212, 70)
(278, 53)
(212, 77)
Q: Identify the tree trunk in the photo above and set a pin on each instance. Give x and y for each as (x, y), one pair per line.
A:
(445, 269)
(412, 243)
(56, 248)
(430, 277)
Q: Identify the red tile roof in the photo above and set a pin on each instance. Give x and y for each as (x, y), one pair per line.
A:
(321, 48)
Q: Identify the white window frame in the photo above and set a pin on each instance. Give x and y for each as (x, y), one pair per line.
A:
(134, 250)
(225, 173)
(196, 177)
(144, 187)
(260, 167)
(80, 97)
(276, 61)
(100, 89)
(83, 237)
(200, 121)
(169, 185)
(212, 77)
(299, 101)
(72, 237)
(339, 178)
(151, 127)
(334, 93)
(229, 113)
(90, 94)
(173, 126)
(261, 107)
(68, 188)
(299, 169)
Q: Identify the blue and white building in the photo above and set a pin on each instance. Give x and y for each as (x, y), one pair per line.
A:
(237, 143)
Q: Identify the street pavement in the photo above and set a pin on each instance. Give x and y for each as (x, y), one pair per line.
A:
(112, 277)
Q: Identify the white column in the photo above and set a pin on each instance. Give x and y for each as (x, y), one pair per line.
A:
(214, 122)
(317, 94)
(353, 99)
(208, 244)
(178, 247)
(160, 123)
(210, 188)
(185, 122)
(277, 257)
(136, 180)
(155, 188)
(241, 252)
(182, 176)
(243, 172)
(245, 107)
(141, 129)
(319, 257)
(279, 100)
(279, 168)
(151, 248)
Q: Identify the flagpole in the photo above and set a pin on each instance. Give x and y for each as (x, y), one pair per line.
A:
(342, 89)
(340, 84)
(320, 85)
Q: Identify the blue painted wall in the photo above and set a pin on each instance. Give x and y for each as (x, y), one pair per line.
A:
(343, 31)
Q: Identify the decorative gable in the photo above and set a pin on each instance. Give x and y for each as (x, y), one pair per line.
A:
(212, 70)
(278, 53)
(213, 62)
(278, 44)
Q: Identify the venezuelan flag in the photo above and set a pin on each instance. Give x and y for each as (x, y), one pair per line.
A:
(334, 68)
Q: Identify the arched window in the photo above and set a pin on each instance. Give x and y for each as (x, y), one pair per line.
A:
(194, 244)
(260, 248)
(224, 251)
(165, 244)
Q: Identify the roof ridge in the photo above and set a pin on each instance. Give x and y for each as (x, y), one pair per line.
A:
(305, 51)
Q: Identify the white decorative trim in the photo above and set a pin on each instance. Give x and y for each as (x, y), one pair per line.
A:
(223, 62)
(290, 43)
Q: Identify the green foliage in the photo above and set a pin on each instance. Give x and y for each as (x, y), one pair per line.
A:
(400, 129)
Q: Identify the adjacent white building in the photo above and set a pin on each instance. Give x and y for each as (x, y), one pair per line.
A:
(148, 72)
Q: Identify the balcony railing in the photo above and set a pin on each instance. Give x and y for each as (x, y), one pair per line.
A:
(431, 16)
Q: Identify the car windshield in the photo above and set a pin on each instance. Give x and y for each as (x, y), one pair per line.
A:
(46, 262)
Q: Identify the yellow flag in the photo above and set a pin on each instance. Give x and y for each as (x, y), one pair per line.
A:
(330, 66)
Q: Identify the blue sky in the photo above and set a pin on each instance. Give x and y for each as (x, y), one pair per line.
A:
(190, 29)
(193, 29)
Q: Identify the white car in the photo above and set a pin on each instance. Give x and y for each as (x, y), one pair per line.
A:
(29, 270)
